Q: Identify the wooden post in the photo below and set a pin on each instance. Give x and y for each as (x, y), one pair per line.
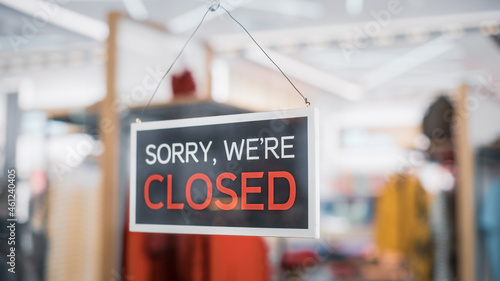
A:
(109, 131)
(465, 190)
(207, 92)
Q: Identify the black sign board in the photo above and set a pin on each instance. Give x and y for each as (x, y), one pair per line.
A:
(246, 174)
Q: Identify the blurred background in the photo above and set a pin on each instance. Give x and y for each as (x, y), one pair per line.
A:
(409, 100)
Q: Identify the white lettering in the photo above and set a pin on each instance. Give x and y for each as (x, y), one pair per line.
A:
(205, 150)
(271, 148)
(234, 147)
(164, 145)
(286, 146)
(177, 153)
(148, 152)
(249, 148)
(191, 152)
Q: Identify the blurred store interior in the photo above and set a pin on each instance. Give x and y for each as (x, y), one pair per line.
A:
(409, 98)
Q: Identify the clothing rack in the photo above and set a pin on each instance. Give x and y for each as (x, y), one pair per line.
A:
(487, 167)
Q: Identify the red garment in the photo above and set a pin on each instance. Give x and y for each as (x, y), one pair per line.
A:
(299, 259)
(183, 84)
(238, 258)
(185, 257)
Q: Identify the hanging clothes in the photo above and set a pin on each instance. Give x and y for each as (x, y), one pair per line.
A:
(489, 222)
(73, 227)
(181, 257)
(438, 119)
(238, 258)
(402, 224)
(183, 84)
(187, 257)
(165, 257)
(441, 225)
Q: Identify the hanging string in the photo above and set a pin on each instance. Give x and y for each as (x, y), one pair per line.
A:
(253, 39)
(175, 60)
(213, 8)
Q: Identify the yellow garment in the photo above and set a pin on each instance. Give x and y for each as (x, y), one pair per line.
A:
(402, 224)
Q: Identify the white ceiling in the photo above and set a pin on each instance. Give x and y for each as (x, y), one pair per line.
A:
(417, 59)
(277, 14)
(256, 15)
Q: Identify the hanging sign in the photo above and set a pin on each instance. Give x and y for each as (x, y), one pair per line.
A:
(247, 174)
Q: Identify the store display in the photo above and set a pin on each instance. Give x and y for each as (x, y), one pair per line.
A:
(438, 119)
(181, 257)
(74, 248)
(489, 222)
(236, 258)
(299, 259)
(402, 224)
(165, 257)
(442, 229)
(418, 95)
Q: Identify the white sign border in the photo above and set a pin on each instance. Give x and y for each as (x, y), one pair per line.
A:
(312, 230)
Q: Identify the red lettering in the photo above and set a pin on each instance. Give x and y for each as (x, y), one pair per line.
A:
(250, 189)
(151, 205)
(204, 205)
(291, 199)
(227, 191)
(170, 204)
(245, 190)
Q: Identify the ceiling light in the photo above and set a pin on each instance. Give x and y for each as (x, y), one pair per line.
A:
(62, 17)
(98, 55)
(417, 35)
(231, 54)
(16, 64)
(489, 28)
(319, 42)
(136, 9)
(354, 7)
(35, 62)
(453, 30)
(76, 58)
(288, 47)
(55, 60)
(384, 39)
(296, 8)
